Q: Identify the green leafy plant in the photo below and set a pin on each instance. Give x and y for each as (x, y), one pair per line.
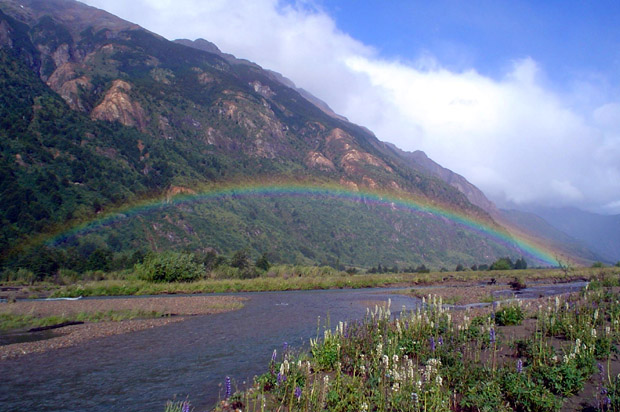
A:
(169, 267)
(510, 315)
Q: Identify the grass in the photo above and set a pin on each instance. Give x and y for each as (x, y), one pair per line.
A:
(287, 277)
(12, 321)
(426, 360)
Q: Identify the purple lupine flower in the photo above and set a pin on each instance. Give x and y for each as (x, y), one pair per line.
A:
(298, 392)
(440, 341)
(274, 355)
(284, 346)
(601, 368)
(281, 378)
(432, 342)
(185, 407)
(519, 366)
(228, 387)
(492, 335)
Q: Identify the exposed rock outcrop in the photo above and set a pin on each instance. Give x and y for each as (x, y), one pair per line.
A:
(118, 106)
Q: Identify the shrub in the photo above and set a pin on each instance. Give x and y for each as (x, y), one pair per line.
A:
(524, 394)
(510, 315)
(484, 397)
(562, 378)
(169, 267)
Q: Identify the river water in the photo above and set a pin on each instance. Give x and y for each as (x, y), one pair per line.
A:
(140, 371)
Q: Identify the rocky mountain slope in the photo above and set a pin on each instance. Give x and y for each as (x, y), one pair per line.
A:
(98, 112)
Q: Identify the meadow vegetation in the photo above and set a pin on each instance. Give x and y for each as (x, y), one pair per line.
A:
(431, 359)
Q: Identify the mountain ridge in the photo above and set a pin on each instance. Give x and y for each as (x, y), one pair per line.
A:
(158, 115)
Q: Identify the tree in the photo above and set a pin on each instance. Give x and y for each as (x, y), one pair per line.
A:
(422, 269)
(241, 259)
(263, 263)
(521, 263)
(504, 263)
(100, 259)
(564, 265)
(459, 268)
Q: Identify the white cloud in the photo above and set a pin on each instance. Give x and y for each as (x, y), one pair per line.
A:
(513, 137)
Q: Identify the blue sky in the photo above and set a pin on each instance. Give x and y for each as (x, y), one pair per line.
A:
(520, 97)
(570, 37)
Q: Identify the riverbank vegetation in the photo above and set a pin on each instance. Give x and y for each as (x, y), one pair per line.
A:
(538, 356)
(12, 321)
(183, 276)
(29, 314)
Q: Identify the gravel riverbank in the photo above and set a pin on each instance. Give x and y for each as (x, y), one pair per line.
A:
(174, 309)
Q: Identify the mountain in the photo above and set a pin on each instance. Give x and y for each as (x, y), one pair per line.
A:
(535, 225)
(419, 161)
(530, 224)
(99, 114)
(601, 233)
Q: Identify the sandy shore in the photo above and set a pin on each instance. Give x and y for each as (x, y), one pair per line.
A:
(177, 308)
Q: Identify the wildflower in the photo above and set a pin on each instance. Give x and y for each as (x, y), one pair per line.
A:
(492, 335)
(519, 366)
(439, 380)
(440, 341)
(281, 378)
(274, 355)
(228, 387)
(284, 347)
(593, 333)
(386, 361)
(298, 393)
(185, 407)
(364, 407)
(432, 343)
(414, 397)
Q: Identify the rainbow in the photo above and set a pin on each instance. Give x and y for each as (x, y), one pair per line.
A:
(404, 202)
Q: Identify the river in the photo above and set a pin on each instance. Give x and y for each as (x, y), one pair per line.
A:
(140, 371)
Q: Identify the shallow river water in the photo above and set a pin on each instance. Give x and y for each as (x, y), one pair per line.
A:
(140, 371)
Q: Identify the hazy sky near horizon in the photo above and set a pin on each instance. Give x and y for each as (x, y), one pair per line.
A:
(520, 97)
